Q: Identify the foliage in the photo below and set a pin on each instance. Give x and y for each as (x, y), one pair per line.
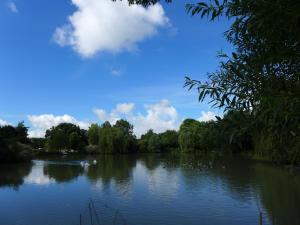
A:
(93, 134)
(13, 144)
(117, 139)
(144, 141)
(191, 135)
(169, 140)
(262, 75)
(154, 143)
(159, 143)
(37, 143)
(65, 136)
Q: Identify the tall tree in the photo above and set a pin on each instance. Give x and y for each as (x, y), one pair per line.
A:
(93, 134)
(66, 136)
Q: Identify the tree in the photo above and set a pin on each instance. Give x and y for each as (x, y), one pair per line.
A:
(66, 136)
(191, 135)
(37, 143)
(125, 126)
(59, 141)
(13, 144)
(169, 140)
(154, 143)
(75, 142)
(117, 139)
(262, 76)
(22, 133)
(144, 141)
(93, 134)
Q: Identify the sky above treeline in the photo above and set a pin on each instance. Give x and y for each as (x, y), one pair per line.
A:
(86, 61)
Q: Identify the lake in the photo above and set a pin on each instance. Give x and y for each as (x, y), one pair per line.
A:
(147, 190)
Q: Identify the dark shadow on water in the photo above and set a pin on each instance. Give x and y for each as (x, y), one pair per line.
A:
(12, 175)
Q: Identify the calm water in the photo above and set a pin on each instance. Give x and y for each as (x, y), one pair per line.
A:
(148, 190)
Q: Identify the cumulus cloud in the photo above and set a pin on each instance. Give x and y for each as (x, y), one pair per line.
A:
(12, 7)
(3, 123)
(104, 116)
(40, 123)
(121, 110)
(107, 26)
(160, 117)
(207, 116)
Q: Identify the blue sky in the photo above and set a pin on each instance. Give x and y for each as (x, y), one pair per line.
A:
(81, 57)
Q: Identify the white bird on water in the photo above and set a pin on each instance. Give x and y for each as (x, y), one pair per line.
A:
(84, 164)
(95, 162)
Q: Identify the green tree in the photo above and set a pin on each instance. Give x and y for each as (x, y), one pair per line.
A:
(191, 135)
(143, 142)
(169, 140)
(66, 136)
(22, 133)
(76, 142)
(117, 139)
(262, 76)
(154, 143)
(59, 141)
(13, 144)
(93, 134)
(125, 126)
(37, 143)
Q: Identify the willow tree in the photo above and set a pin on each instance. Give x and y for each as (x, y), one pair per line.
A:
(262, 76)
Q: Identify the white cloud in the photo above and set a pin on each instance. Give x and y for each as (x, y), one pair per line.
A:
(159, 117)
(207, 116)
(3, 123)
(122, 109)
(107, 26)
(104, 116)
(40, 123)
(116, 72)
(12, 7)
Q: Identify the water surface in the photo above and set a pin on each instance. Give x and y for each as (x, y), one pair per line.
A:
(148, 190)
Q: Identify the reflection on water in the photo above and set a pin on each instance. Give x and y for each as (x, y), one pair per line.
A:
(62, 173)
(13, 175)
(150, 189)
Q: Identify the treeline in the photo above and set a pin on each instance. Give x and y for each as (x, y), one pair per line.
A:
(236, 132)
(227, 135)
